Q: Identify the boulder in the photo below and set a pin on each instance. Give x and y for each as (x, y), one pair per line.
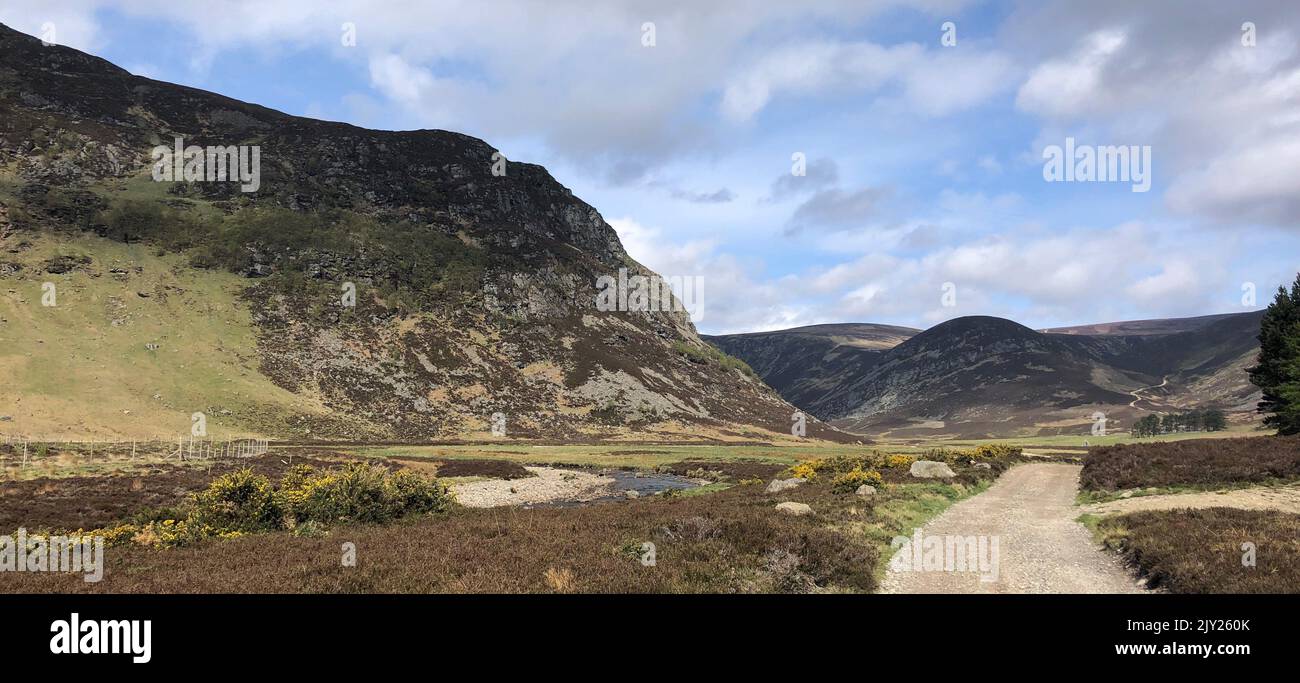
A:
(778, 485)
(630, 493)
(983, 466)
(930, 469)
(866, 490)
(796, 509)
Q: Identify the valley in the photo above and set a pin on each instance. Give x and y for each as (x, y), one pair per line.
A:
(457, 379)
(983, 377)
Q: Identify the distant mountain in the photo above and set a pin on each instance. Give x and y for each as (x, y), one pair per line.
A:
(473, 290)
(1142, 327)
(982, 375)
(809, 365)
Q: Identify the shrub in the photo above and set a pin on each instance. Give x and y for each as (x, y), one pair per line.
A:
(992, 451)
(359, 493)
(804, 470)
(238, 501)
(306, 501)
(899, 461)
(838, 464)
(849, 482)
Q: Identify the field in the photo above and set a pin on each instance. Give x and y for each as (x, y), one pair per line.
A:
(1205, 551)
(726, 537)
(1195, 549)
(629, 456)
(1195, 464)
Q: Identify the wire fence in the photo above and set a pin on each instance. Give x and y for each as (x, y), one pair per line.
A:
(21, 453)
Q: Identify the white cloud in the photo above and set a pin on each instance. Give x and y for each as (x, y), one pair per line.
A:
(1072, 85)
(397, 79)
(932, 82)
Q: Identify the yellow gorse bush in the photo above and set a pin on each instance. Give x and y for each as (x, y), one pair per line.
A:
(899, 461)
(804, 470)
(243, 502)
(851, 480)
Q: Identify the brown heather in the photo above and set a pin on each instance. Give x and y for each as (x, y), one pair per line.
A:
(1194, 462)
(1200, 551)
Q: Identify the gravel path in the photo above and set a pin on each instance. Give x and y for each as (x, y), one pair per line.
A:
(1041, 548)
(1281, 498)
(548, 486)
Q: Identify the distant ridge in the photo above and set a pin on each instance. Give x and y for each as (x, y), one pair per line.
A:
(1142, 327)
(988, 376)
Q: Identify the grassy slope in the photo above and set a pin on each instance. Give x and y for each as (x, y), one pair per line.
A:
(70, 372)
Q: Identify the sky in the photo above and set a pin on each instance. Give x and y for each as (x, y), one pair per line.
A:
(922, 128)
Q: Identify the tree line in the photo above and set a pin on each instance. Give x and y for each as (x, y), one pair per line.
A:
(1207, 420)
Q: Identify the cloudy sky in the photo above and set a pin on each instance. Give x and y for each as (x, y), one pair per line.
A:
(924, 161)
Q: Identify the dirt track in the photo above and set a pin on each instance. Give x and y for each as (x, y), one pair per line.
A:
(1041, 548)
(1280, 498)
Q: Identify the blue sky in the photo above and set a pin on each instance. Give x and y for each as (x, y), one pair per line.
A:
(924, 161)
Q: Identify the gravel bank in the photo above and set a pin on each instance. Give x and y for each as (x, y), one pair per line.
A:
(549, 486)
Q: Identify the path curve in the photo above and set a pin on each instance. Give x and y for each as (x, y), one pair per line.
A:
(1136, 397)
(1042, 549)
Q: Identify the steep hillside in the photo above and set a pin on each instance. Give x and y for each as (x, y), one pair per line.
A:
(810, 366)
(474, 291)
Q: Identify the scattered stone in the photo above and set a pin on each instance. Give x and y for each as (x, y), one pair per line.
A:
(778, 485)
(930, 469)
(796, 509)
(630, 494)
(866, 490)
(1126, 494)
(66, 264)
(983, 466)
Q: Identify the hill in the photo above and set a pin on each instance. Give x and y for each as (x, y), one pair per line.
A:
(981, 376)
(472, 291)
